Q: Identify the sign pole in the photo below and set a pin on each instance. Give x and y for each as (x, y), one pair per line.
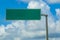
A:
(46, 16)
(46, 27)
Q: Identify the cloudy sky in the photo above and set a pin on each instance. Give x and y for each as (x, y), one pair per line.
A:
(30, 30)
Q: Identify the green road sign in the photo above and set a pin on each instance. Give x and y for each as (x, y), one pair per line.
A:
(23, 14)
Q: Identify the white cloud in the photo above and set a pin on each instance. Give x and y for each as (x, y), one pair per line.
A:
(31, 34)
(36, 4)
(3, 33)
(58, 26)
(2, 30)
(58, 12)
(17, 38)
(25, 33)
(51, 25)
(9, 26)
(52, 38)
(36, 24)
(53, 1)
(57, 38)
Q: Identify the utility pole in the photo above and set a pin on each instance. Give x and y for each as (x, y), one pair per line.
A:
(46, 16)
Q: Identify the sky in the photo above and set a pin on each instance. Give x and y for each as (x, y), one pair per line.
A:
(30, 30)
(9, 4)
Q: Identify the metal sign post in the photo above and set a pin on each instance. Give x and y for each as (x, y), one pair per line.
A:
(46, 16)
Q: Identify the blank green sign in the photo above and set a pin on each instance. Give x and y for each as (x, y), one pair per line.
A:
(23, 14)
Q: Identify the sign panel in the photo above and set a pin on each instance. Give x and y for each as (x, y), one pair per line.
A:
(23, 14)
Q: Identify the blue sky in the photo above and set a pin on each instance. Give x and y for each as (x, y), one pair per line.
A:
(13, 27)
(53, 7)
(9, 4)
